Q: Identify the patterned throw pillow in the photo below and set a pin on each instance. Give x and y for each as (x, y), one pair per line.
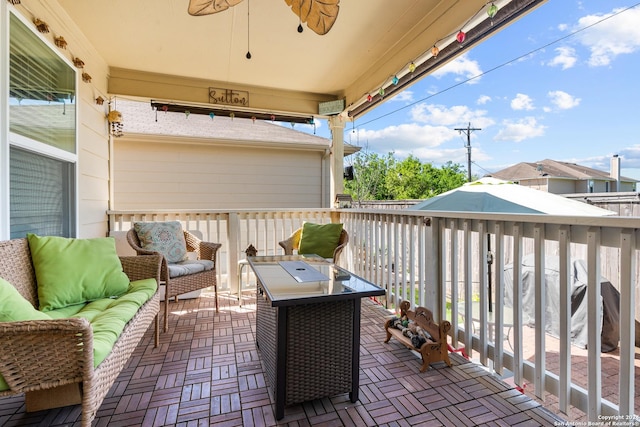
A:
(166, 238)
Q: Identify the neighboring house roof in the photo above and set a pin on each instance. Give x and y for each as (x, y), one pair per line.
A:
(553, 169)
(140, 118)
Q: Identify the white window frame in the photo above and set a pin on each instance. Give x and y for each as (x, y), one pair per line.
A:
(9, 139)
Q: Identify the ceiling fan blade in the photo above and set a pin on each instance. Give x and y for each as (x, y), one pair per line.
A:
(320, 15)
(208, 7)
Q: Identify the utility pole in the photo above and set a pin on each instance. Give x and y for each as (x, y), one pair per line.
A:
(468, 131)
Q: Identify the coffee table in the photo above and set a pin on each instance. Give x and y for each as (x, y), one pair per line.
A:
(308, 331)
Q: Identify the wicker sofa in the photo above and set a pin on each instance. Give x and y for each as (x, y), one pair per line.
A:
(52, 361)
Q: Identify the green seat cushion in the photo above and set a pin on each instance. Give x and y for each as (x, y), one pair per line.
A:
(74, 271)
(109, 316)
(319, 239)
(164, 237)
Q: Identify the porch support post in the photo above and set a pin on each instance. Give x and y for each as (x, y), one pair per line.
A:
(336, 163)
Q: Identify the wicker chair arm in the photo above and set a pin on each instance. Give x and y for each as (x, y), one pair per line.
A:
(40, 354)
(291, 243)
(203, 250)
(142, 267)
(344, 239)
(134, 242)
(209, 250)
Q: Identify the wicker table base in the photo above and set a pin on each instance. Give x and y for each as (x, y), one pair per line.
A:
(308, 328)
(309, 351)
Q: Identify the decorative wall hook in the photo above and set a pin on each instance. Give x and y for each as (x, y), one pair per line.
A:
(78, 62)
(86, 78)
(60, 42)
(41, 25)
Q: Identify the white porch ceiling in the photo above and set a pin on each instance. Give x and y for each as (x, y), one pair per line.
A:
(158, 42)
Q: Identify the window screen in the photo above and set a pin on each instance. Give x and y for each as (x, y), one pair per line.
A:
(41, 195)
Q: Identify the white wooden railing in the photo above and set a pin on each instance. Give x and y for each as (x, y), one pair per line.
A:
(440, 260)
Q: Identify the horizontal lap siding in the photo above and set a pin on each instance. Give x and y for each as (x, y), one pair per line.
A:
(151, 175)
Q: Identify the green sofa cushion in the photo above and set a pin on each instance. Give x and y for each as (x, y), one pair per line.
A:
(164, 237)
(109, 316)
(319, 239)
(73, 271)
(14, 307)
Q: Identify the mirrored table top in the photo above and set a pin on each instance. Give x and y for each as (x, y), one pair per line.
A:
(296, 279)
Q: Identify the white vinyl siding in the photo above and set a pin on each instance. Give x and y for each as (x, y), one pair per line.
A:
(151, 175)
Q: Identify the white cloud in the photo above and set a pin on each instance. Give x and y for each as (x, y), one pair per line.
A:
(403, 96)
(565, 58)
(483, 100)
(424, 142)
(563, 100)
(463, 67)
(406, 137)
(615, 36)
(517, 131)
(522, 102)
(451, 117)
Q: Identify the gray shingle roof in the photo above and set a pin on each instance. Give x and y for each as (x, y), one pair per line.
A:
(553, 169)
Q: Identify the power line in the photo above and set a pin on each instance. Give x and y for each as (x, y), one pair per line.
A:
(504, 64)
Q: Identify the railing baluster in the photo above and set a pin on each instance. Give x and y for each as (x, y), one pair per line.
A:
(468, 287)
(564, 394)
(498, 262)
(518, 367)
(594, 319)
(454, 262)
(627, 318)
(540, 309)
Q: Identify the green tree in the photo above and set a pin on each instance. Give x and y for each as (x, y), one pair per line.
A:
(385, 178)
(370, 170)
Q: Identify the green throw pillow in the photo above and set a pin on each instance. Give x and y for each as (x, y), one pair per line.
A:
(319, 239)
(14, 307)
(166, 238)
(74, 271)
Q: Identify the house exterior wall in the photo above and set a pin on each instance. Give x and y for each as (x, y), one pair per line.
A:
(150, 175)
(561, 186)
(538, 184)
(93, 135)
(627, 186)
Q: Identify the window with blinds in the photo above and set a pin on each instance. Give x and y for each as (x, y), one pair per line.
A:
(41, 90)
(42, 137)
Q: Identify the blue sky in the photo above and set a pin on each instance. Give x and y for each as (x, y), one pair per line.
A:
(567, 98)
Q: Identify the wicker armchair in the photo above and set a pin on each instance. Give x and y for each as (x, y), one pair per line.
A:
(179, 285)
(293, 243)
